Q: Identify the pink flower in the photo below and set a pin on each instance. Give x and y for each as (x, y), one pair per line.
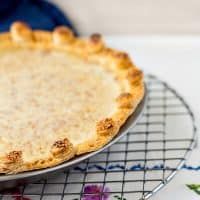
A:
(95, 192)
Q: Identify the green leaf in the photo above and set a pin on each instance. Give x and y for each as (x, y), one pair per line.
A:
(194, 187)
(119, 198)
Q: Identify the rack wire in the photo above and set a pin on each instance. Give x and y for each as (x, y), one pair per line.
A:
(134, 168)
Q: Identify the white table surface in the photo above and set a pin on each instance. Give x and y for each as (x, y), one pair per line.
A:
(175, 59)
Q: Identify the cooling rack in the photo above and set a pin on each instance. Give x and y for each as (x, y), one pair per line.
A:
(134, 168)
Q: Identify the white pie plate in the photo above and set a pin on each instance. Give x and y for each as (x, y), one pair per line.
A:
(9, 181)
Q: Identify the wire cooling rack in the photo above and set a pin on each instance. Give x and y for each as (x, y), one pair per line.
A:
(134, 168)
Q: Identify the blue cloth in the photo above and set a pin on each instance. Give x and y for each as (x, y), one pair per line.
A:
(39, 14)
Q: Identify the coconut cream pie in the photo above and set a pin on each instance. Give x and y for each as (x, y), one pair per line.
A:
(60, 96)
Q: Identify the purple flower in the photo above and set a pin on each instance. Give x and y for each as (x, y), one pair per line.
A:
(95, 192)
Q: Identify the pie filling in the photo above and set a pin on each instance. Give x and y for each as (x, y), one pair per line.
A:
(48, 95)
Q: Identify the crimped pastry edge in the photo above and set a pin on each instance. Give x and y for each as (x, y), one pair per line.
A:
(94, 50)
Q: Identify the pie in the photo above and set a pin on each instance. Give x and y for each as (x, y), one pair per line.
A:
(60, 96)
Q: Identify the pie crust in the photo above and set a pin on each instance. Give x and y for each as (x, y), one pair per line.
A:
(61, 96)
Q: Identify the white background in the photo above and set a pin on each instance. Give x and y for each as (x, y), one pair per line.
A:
(134, 16)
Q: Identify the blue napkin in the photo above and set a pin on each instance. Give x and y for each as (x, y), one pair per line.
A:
(39, 14)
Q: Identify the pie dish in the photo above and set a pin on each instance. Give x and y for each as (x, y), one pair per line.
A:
(61, 96)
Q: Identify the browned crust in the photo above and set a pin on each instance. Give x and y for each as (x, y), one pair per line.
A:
(61, 151)
(93, 50)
